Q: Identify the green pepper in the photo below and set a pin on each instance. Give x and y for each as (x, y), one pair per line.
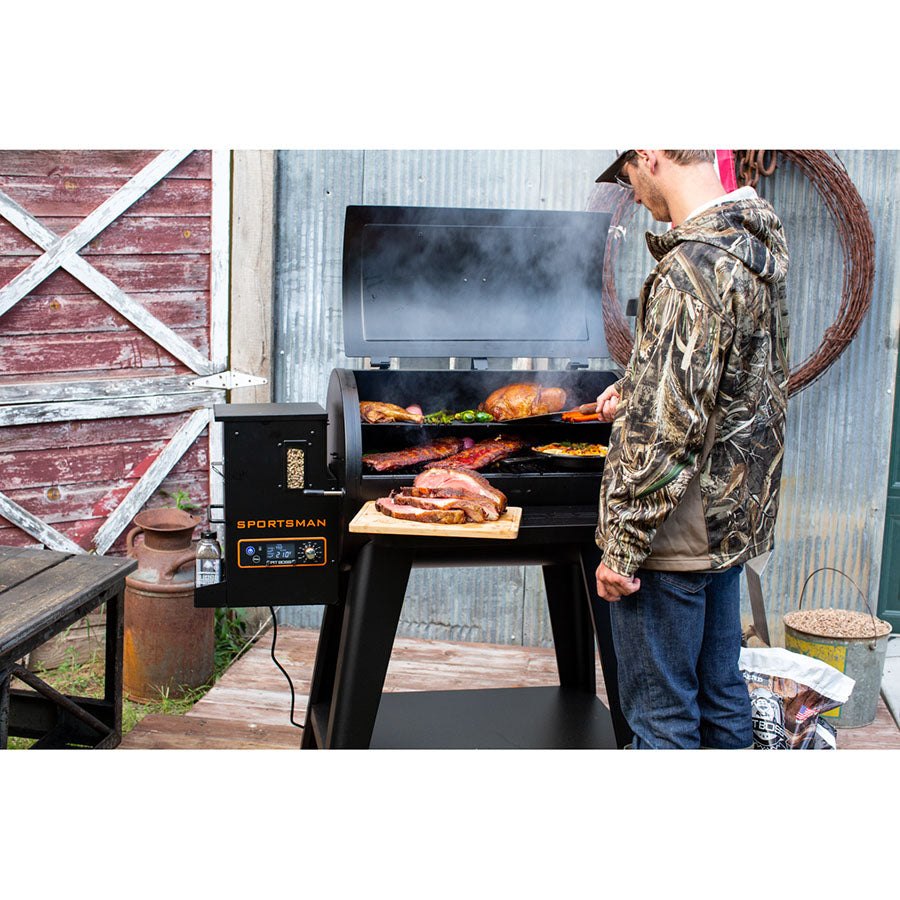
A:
(483, 417)
(468, 416)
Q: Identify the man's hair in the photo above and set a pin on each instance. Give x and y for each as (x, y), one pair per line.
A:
(689, 157)
(679, 157)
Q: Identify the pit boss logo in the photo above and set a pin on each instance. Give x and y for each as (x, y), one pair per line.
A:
(281, 523)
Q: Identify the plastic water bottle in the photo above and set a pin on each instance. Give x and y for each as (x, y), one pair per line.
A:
(208, 565)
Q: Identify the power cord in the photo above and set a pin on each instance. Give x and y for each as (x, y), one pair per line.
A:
(290, 683)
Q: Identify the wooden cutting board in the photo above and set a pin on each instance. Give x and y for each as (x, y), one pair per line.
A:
(369, 521)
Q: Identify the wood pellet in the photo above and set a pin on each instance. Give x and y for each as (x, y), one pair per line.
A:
(835, 623)
(295, 469)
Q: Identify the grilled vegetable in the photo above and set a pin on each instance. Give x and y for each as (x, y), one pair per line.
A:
(442, 417)
(568, 448)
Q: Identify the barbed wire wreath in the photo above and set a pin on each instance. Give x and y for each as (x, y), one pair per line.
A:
(848, 212)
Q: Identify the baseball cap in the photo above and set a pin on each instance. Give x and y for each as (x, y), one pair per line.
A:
(609, 176)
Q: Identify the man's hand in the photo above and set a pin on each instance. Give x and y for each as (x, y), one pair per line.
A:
(612, 586)
(607, 403)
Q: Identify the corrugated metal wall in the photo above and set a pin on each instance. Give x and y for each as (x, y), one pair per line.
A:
(839, 428)
(835, 474)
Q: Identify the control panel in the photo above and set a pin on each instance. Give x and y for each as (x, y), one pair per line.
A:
(295, 551)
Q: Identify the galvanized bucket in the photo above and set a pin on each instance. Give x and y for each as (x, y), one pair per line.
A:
(860, 658)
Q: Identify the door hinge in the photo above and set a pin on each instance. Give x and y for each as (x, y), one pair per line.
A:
(229, 380)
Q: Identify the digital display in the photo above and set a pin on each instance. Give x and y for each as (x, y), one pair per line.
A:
(261, 554)
(280, 551)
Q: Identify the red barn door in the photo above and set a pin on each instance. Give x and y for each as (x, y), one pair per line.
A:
(113, 338)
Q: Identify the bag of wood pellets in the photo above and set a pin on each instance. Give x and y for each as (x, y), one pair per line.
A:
(788, 694)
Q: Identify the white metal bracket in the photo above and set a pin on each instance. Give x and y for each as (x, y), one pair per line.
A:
(228, 381)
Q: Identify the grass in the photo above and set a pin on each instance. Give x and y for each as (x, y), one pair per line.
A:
(85, 678)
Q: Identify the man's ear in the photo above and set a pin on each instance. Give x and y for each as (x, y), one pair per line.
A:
(652, 158)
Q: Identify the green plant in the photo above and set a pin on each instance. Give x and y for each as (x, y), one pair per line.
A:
(182, 500)
(230, 637)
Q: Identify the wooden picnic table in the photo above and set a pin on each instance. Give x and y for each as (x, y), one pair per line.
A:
(43, 592)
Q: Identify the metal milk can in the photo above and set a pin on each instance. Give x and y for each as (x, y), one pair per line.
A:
(169, 645)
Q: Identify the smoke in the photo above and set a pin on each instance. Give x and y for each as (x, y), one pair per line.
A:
(436, 281)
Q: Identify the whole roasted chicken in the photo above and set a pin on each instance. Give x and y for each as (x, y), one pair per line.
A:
(516, 401)
(373, 412)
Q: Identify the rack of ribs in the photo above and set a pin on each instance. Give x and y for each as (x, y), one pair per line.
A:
(482, 454)
(411, 456)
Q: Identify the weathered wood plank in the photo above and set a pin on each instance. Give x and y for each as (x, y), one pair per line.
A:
(78, 196)
(78, 465)
(151, 373)
(90, 352)
(252, 330)
(142, 235)
(17, 566)
(220, 218)
(95, 163)
(89, 433)
(132, 274)
(75, 313)
(71, 504)
(157, 732)
(87, 352)
(15, 537)
(33, 413)
(36, 392)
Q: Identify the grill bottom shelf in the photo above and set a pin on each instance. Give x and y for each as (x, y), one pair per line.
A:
(533, 718)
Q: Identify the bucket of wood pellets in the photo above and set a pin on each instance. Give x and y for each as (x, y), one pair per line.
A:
(855, 643)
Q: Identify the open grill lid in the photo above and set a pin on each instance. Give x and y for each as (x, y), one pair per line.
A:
(436, 281)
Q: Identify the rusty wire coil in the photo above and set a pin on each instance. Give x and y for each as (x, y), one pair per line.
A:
(829, 177)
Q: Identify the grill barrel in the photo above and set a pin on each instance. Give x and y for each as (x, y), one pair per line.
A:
(527, 479)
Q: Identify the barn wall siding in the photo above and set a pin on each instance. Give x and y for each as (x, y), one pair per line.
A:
(72, 474)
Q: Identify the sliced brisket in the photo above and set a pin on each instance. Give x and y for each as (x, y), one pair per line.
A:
(397, 510)
(457, 482)
(477, 509)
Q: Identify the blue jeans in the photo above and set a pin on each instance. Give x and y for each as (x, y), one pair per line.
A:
(678, 640)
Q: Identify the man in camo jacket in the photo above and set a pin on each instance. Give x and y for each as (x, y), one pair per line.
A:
(690, 488)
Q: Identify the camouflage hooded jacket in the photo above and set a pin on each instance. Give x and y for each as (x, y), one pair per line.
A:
(692, 476)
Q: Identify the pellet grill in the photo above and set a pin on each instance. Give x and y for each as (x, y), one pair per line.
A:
(418, 282)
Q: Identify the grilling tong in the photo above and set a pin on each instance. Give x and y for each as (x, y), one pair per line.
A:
(586, 409)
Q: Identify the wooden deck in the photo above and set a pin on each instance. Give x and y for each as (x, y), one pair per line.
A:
(249, 707)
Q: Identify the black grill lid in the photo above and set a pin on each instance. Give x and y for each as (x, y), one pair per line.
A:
(437, 281)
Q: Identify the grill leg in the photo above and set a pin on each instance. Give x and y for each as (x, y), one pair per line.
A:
(321, 687)
(590, 559)
(570, 622)
(371, 615)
